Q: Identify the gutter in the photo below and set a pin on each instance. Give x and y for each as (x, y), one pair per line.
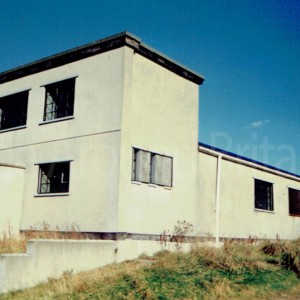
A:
(248, 162)
(218, 191)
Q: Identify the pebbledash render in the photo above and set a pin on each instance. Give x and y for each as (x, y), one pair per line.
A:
(104, 138)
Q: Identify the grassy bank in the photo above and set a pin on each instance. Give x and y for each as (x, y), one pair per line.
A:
(237, 271)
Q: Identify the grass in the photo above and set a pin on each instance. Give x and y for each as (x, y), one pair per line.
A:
(10, 243)
(236, 271)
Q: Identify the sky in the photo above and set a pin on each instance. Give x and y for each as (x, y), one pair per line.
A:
(247, 50)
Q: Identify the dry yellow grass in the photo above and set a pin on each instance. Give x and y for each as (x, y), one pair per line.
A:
(11, 243)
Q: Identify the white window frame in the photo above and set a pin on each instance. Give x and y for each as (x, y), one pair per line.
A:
(62, 106)
(65, 186)
(152, 168)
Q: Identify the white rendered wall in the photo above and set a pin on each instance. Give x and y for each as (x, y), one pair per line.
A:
(118, 90)
(238, 217)
(11, 198)
(207, 194)
(91, 140)
(160, 114)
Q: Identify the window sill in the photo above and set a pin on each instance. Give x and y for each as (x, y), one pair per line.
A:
(57, 120)
(294, 215)
(168, 187)
(52, 195)
(13, 128)
(152, 185)
(136, 182)
(264, 210)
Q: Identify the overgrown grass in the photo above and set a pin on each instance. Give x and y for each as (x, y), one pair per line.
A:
(237, 271)
(10, 243)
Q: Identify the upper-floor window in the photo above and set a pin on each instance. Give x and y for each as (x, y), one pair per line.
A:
(13, 110)
(263, 195)
(294, 202)
(59, 99)
(151, 167)
(54, 178)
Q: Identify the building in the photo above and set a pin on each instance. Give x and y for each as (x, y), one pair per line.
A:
(245, 198)
(104, 137)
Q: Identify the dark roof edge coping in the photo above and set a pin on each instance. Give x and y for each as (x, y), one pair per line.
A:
(99, 46)
(249, 160)
(67, 52)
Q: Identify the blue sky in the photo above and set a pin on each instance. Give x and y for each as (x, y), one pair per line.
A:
(248, 52)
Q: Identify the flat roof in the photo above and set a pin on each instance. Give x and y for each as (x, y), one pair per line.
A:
(249, 162)
(110, 43)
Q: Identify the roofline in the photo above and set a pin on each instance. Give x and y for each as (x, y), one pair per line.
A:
(100, 46)
(246, 161)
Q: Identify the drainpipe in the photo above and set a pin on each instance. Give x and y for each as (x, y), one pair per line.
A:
(218, 188)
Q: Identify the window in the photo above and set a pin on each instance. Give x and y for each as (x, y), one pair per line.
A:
(13, 110)
(294, 202)
(151, 167)
(54, 178)
(263, 195)
(59, 99)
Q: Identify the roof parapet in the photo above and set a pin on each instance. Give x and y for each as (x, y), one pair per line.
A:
(100, 46)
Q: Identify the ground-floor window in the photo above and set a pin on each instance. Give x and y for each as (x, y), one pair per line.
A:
(294, 202)
(150, 167)
(54, 177)
(263, 195)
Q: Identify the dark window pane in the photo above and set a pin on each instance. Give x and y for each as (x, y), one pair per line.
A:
(59, 100)
(263, 195)
(13, 110)
(54, 178)
(294, 202)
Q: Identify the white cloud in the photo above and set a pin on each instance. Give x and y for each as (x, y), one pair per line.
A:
(258, 124)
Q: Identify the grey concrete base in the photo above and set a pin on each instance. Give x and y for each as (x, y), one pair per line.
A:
(51, 258)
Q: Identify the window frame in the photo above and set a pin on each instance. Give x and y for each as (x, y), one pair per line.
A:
(60, 191)
(64, 100)
(151, 176)
(15, 108)
(267, 204)
(295, 191)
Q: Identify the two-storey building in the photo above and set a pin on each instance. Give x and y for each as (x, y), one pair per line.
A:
(104, 138)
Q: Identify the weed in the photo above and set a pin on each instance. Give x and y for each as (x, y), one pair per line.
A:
(179, 234)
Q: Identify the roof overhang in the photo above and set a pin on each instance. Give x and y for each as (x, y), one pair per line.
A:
(242, 160)
(97, 47)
